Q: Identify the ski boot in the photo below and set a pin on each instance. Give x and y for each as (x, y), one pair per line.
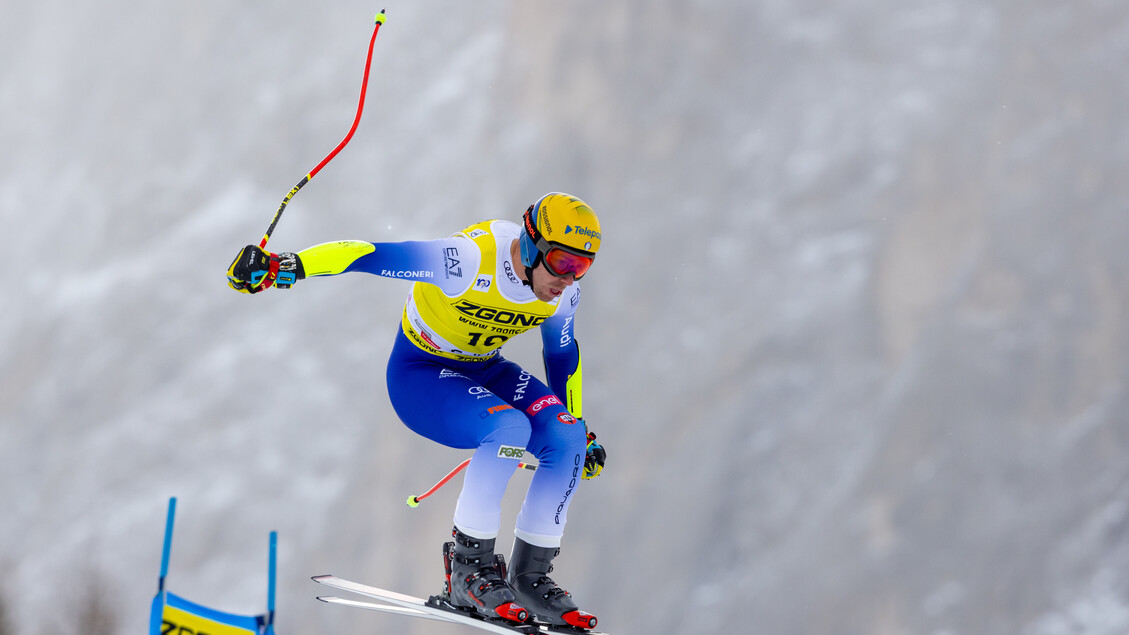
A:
(476, 580)
(535, 590)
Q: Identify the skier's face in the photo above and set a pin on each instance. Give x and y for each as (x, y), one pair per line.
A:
(548, 287)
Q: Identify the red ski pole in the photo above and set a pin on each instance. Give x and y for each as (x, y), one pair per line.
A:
(360, 107)
(413, 501)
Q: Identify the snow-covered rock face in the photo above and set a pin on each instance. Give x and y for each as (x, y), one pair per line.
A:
(856, 341)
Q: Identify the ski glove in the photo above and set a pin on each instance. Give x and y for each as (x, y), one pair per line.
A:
(255, 270)
(594, 459)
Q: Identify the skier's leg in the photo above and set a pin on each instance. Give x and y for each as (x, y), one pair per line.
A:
(447, 404)
(558, 441)
(478, 512)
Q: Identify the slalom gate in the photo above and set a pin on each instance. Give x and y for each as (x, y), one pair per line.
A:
(172, 614)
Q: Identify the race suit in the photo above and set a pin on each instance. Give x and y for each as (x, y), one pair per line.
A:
(448, 381)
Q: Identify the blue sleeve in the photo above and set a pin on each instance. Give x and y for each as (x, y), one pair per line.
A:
(560, 350)
(560, 366)
(440, 262)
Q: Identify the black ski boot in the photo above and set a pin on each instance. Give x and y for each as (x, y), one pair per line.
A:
(476, 579)
(536, 591)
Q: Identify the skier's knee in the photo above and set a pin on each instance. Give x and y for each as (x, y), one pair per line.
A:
(559, 442)
(507, 427)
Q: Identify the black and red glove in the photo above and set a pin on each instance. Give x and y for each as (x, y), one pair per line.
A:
(255, 270)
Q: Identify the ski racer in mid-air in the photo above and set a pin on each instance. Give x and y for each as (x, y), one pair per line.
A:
(448, 382)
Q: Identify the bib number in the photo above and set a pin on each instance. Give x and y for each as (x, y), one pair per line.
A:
(490, 340)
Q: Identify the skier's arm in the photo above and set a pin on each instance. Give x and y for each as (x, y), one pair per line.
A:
(563, 371)
(439, 262)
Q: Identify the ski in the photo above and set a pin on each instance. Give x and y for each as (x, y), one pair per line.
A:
(416, 607)
(449, 617)
(432, 609)
(384, 608)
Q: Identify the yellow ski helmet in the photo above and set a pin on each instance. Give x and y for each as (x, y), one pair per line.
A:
(563, 231)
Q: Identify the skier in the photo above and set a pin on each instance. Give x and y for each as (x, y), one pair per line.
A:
(448, 381)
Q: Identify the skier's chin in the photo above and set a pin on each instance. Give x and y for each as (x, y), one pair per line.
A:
(546, 295)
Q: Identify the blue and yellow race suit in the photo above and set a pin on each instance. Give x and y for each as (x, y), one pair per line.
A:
(448, 381)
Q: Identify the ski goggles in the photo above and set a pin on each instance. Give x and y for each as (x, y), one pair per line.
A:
(564, 261)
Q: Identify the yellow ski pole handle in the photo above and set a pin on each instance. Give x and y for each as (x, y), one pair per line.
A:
(413, 501)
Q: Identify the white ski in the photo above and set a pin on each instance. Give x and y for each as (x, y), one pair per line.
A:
(401, 604)
(384, 608)
(393, 602)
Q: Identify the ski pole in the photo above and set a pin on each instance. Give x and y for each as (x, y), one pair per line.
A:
(413, 501)
(329, 157)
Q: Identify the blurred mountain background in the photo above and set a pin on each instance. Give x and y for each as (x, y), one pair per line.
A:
(857, 342)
